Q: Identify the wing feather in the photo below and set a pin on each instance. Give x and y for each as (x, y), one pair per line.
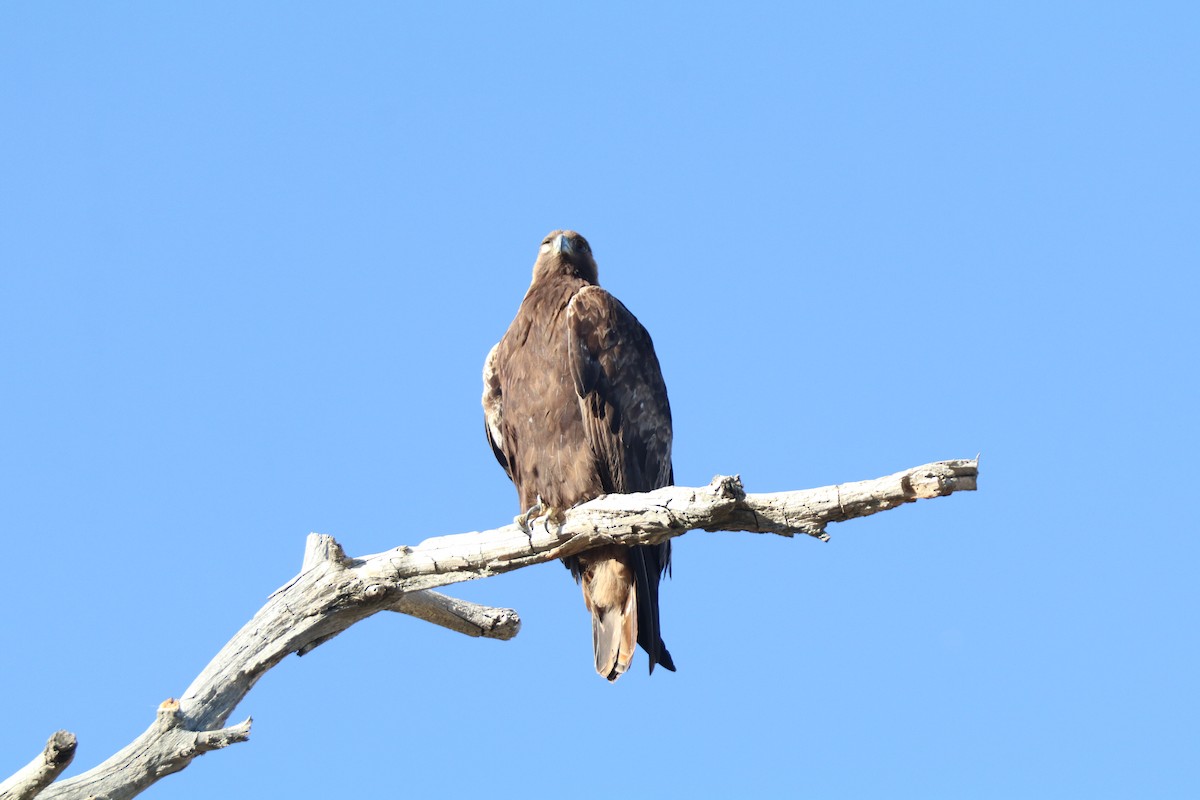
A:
(627, 420)
(493, 408)
(622, 396)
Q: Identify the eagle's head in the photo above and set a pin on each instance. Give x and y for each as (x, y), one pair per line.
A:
(565, 253)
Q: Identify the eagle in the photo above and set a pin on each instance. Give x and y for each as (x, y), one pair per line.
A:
(575, 407)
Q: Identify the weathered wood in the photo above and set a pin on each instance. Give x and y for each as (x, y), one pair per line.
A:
(333, 591)
(35, 776)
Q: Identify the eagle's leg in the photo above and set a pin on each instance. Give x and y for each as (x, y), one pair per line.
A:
(539, 510)
(524, 521)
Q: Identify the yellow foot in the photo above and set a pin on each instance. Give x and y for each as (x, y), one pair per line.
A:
(523, 521)
(538, 510)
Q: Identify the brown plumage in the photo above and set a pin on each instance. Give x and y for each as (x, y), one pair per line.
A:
(575, 407)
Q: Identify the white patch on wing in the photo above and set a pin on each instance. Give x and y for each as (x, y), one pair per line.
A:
(493, 402)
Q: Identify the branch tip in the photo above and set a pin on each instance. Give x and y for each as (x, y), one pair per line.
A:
(207, 741)
(459, 615)
(60, 748)
(728, 486)
(30, 780)
(168, 715)
(319, 548)
(818, 532)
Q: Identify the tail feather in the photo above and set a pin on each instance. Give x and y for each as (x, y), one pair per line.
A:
(614, 633)
(648, 564)
(620, 589)
(609, 593)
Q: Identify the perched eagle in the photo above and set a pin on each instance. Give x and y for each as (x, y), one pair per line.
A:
(575, 407)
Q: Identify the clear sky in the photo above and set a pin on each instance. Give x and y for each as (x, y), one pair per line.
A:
(252, 256)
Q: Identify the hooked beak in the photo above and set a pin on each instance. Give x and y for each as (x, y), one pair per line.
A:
(562, 244)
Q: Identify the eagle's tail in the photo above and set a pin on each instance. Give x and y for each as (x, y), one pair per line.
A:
(647, 570)
(608, 591)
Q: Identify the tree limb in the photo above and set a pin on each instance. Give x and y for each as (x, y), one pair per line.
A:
(333, 591)
(39, 773)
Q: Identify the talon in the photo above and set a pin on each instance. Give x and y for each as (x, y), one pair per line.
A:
(554, 515)
(523, 521)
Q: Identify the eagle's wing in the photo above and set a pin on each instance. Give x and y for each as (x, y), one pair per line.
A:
(622, 396)
(493, 408)
(627, 420)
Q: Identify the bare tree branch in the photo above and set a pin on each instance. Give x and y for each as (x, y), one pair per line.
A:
(35, 776)
(333, 591)
(460, 615)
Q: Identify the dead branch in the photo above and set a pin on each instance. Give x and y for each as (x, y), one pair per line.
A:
(38, 774)
(334, 591)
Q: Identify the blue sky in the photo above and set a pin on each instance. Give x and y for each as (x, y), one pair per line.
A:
(252, 257)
